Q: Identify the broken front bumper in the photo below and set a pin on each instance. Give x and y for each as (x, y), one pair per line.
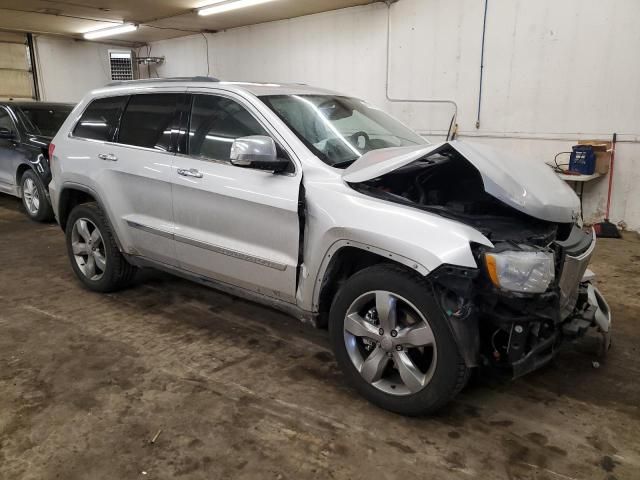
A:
(595, 313)
(518, 332)
(592, 311)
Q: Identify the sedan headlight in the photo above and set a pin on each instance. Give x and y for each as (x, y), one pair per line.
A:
(525, 272)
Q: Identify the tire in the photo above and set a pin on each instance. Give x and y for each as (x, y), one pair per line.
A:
(436, 370)
(34, 198)
(110, 270)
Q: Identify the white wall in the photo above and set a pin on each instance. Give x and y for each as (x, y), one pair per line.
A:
(67, 69)
(555, 72)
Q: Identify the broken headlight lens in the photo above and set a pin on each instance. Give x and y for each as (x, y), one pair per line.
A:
(524, 272)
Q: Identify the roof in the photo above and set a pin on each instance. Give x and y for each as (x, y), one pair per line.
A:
(37, 104)
(256, 88)
(277, 88)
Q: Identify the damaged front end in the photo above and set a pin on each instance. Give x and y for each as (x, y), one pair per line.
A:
(523, 331)
(532, 291)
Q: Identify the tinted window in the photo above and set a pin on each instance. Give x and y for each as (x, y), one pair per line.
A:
(215, 123)
(46, 120)
(148, 121)
(100, 120)
(5, 120)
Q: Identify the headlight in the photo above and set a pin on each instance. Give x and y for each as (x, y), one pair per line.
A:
(526, 272)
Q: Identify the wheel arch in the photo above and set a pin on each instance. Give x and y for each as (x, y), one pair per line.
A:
(23, 167)
(73, 195)
(345, 258)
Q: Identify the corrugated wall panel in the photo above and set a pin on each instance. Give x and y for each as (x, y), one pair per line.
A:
(12, 56)
(10, 37)
(16, 80)
(16, 84)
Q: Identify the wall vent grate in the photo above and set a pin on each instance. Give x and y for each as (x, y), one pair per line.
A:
(121, 64)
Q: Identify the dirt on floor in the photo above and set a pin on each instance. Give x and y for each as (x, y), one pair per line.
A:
(231, 389)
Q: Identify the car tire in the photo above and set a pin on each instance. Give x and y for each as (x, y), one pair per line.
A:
(93, 252)
(435, 371)
(34, 197)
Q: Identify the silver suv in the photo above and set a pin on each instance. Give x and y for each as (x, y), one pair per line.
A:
(424, 261)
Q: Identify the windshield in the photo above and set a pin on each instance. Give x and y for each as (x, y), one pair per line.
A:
(339, 129)
(44, 120)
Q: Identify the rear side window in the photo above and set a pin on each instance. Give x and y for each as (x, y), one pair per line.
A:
(100, 120)
(48, 120)
(5, 120)
(149, 121)
(215, 123)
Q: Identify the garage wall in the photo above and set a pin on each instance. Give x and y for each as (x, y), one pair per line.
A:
(67, 69)
(16, 81)
(555, 72)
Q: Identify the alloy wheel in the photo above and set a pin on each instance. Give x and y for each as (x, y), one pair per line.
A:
(390, 343)
(88, 249)
(31, 196)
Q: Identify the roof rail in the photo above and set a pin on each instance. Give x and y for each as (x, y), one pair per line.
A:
(157, 80)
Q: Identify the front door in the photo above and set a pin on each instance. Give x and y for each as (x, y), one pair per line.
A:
(236, 225)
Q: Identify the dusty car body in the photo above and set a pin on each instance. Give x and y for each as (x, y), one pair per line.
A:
(424, 260)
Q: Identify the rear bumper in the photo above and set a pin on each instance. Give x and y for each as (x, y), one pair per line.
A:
(53, 198)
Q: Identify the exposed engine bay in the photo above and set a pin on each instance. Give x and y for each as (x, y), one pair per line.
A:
(445, 183)
(499, 324)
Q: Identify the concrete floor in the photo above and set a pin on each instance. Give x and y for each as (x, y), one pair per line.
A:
(241, 391)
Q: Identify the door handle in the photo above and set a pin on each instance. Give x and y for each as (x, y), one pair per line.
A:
(108, 156)
(192, 172)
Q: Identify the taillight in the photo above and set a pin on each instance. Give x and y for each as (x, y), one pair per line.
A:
(52, 147)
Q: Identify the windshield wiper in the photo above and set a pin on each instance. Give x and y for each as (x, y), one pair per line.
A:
(344, 163)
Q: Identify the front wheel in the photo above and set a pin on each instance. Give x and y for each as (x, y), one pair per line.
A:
(393, 343)
(34, 198)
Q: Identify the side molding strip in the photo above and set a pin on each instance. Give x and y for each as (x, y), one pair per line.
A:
(155, 231)
(208, 246)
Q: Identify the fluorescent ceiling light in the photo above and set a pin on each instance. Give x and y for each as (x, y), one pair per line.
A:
(209, 3)
(228, 5)
(107, 32)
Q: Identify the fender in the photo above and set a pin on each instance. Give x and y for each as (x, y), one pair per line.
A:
(32, 160)
(38, 164)
(39, 167)
(99, 201)
(339, 244)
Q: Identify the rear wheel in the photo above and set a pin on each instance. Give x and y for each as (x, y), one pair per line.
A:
(34, 198)
(93, 252)
(393, 343)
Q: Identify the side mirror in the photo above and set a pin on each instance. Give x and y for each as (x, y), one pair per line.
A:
(259, 152)
(7, 134)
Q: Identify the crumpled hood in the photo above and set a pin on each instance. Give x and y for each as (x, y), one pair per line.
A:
(528, 186)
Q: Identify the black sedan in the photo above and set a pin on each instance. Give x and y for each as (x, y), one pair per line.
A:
(26, 129)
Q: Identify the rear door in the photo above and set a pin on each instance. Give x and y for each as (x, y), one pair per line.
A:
(233, 224)
(10, 155)
(132, 171)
